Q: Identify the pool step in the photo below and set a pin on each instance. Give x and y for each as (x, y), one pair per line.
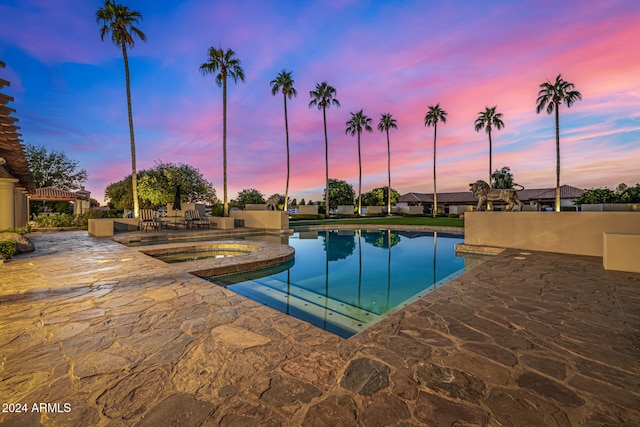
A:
(318, 306)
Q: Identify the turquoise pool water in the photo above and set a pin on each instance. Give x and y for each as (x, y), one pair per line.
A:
(344, 281)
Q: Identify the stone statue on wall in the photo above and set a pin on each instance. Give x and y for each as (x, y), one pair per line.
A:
(272, 202)
(484, 194)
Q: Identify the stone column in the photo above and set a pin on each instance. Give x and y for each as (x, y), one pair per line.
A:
(19, 208)
(7, 203)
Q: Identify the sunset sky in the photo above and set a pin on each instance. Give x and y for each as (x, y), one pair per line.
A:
(393, 57)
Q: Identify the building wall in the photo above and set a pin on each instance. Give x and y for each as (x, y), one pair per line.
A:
(579, 233)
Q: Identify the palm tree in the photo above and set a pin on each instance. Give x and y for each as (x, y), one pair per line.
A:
(119, 21)
(486, 120)
(356, 125)
(551, 95)
(323, 97)
(284, 83)
(387, 122)
(434, 115)
(225, 64)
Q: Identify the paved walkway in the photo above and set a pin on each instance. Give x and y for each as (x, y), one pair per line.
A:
(94, 333)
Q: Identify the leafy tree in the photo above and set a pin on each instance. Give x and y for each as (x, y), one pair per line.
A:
(502, 178)
(550, 96)
(249, 196)
(225, 64)
(157, 186)
(284, 83)
(434, 115)
(382, 239)
(119, 194)
(629, 194)
(323, 97)
(54, 168)
(359, 122)
(294, 202)
(379, 197)
(387, 122)
(302, 203)
(338, 246)
(622, 194)
(486, 120)
(340, 193)
(119, 21)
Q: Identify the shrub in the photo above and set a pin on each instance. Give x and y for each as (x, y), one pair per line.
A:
(20, 230)
(452, 215)
(7, 248)
(300, 217)
(216, 210)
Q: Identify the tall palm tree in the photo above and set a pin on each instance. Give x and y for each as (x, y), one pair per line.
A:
(120, 21)
(225, 64)
(486, 120)
(434, 115)
(359, 122)
(387, 122)
(323, 97)
(284, 83)
(551, 95)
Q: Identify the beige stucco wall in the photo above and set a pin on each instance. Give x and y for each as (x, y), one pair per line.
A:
(275, 220)
(308, 209)
(579, 233)
(621, 252)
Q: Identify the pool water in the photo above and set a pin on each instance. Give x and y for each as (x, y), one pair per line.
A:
(184, 256)
(344, 281)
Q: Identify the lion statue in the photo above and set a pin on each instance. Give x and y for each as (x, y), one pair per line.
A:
(484, 194)
(272, 202)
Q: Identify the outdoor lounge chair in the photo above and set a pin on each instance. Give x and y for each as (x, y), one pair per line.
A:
(148, 220)
(192, 218)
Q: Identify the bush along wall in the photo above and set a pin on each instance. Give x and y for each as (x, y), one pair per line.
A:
(7, 248)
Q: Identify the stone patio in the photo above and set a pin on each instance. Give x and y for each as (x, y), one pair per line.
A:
(107, 336)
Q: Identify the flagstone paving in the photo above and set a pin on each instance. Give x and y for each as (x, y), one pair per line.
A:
(95, 333)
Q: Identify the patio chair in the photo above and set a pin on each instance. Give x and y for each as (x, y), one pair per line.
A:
(193, 219)
(148, 220)
(203, 222)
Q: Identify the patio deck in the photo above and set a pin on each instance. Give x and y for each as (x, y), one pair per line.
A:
(539, 339)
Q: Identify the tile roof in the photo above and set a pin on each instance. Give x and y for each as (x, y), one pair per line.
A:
(461, 197)
(52, 194)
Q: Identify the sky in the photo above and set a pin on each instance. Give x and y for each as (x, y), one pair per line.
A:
(395, 57)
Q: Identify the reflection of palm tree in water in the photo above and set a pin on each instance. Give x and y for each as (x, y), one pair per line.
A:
(435, 240)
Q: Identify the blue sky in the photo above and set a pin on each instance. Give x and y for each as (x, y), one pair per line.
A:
(383, 57)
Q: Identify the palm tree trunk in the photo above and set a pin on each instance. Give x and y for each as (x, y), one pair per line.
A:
(490, 204)
(557, 159)
(435, 195)
(359, 177)
(389, 174)
(134, 174)
(286, 130)
(326, 162)
(225, 209)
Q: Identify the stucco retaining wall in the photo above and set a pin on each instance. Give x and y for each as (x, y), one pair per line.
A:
(272, 220)
(579, 233)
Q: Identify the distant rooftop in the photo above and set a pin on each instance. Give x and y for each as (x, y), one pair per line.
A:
(462, 197)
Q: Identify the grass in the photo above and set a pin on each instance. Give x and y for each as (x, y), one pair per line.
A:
(421, 220)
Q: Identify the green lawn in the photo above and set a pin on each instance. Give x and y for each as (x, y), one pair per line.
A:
(442, 222)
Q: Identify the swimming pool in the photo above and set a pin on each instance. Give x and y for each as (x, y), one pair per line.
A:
(344, 281)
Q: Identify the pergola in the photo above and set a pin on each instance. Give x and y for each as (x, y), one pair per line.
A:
(16, 180)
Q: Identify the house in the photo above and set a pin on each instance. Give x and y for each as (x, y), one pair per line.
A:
(536, 199)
